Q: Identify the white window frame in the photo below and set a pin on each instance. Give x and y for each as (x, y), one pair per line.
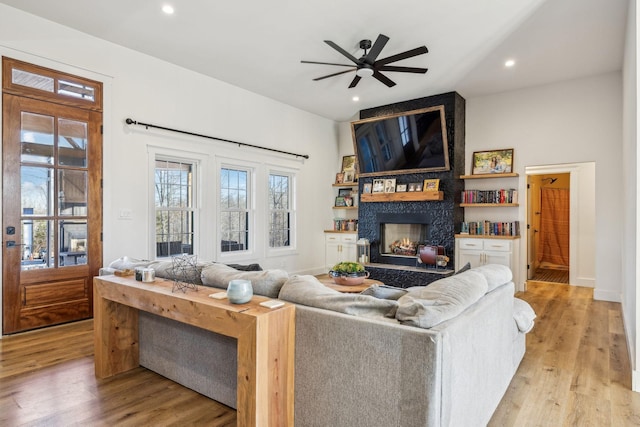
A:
(194, 159)
(250, 251)
(291, 248)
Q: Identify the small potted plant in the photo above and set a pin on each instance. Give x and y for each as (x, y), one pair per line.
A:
(348, 273)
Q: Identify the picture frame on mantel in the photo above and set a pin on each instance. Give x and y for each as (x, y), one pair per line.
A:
(492, 162)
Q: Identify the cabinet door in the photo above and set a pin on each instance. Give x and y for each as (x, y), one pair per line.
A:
(495, 257)
(332, 251)
(472, 257)
(349, 248)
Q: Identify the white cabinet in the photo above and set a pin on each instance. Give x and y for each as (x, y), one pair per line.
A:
(340, 247)
(481, 251)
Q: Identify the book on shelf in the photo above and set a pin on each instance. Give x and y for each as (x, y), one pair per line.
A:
(488, 228)
(490, 196)
(345, 224)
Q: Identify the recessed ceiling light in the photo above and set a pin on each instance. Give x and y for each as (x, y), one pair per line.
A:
(168, 9)
(510, 63)
(356, 98)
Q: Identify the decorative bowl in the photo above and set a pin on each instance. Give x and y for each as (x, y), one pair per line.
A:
(348, 279)
(239, 291)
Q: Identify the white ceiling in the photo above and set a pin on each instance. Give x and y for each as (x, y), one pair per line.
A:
(257, 45)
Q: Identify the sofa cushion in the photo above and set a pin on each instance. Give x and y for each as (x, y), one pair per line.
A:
(427, 306)
(128, 263)
(384, 292)
(266, 282)
(309, 291)
(164, 269)
(496, 275)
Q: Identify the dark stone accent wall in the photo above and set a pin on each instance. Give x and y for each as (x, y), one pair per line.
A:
(444, 217)
(405, 278)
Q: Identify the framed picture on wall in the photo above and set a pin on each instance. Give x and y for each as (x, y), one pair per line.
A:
(492, 162)
(366, 188)
(349, 163)
(431, 185)
(390, 185)
(378, 186)
(349, 176)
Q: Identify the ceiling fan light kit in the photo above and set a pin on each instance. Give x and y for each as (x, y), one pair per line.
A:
(368, 65)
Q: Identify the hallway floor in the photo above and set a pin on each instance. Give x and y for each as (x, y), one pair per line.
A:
(551, 275)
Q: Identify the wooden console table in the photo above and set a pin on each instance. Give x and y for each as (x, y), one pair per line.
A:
(265, 337)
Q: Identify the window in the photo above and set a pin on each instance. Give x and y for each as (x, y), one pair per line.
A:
(174, 206)
(234, 209)
(384, 142)
(280, 210)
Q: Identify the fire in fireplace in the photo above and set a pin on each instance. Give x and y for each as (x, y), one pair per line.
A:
(401, 239)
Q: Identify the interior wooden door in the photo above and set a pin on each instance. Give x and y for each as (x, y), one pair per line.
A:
(52, 211)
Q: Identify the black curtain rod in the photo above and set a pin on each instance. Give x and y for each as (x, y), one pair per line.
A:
(243, 144)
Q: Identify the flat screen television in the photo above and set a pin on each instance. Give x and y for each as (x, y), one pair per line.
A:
(409, 142)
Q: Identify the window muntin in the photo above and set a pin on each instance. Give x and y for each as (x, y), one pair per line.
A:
(280, 210)
(234, 209)
(174, 207)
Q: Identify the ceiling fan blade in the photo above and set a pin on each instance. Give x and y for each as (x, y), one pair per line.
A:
(334, 74)
(400, 56)
(383, 79)
(403, 69)
(326, 63)
(355, 81)
(377, 47)
(342, 51)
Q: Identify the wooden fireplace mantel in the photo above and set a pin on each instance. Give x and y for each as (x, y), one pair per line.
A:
(409, 196)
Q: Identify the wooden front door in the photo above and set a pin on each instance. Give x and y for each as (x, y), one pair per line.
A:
(51, 196)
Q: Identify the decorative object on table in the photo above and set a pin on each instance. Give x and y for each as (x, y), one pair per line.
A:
(401, 188)
(492, 162)
(349, 163)
(340, 178)
(148, 275)
(429, 255)
(378, 186)
(364, 250)
(390, 185)
(431, 185)
(348, 273)
(184, 272)
(239, 291)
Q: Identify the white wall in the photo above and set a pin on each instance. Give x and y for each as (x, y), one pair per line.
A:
(576, 121)
(631, 238)
(149, 90)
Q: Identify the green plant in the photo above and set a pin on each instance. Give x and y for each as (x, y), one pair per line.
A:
(348, 267)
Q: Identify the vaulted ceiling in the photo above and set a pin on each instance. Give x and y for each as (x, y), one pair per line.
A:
(258, 45)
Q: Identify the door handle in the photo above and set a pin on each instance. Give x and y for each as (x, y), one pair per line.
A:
(13, 244)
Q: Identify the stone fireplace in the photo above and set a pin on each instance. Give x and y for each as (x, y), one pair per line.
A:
(386, 224)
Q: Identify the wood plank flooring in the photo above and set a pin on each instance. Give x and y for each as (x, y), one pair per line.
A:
(576, 369)
(575, 373)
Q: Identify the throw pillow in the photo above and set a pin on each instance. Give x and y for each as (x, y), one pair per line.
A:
(427, 306)
(128, 263)
(266, 282)
(309, 291)
(384, 292)
(247, 267)
(464, 268)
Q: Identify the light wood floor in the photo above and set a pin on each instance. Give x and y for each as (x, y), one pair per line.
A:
(575, 373)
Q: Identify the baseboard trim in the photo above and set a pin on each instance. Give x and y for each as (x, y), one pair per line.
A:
(611, 296)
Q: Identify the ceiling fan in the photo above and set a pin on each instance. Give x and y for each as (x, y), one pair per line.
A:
(368, 64)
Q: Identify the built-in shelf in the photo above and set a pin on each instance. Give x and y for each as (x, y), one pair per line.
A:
(490, 175)
(483, 236)
(488, 205)
(341, 231)
(409, 196)
(345, 207)
(346, 185)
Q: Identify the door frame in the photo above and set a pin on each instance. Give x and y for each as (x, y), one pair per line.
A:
(107, 117)
(582, 224)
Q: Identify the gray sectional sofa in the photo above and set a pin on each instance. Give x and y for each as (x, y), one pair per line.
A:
(441, 355)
